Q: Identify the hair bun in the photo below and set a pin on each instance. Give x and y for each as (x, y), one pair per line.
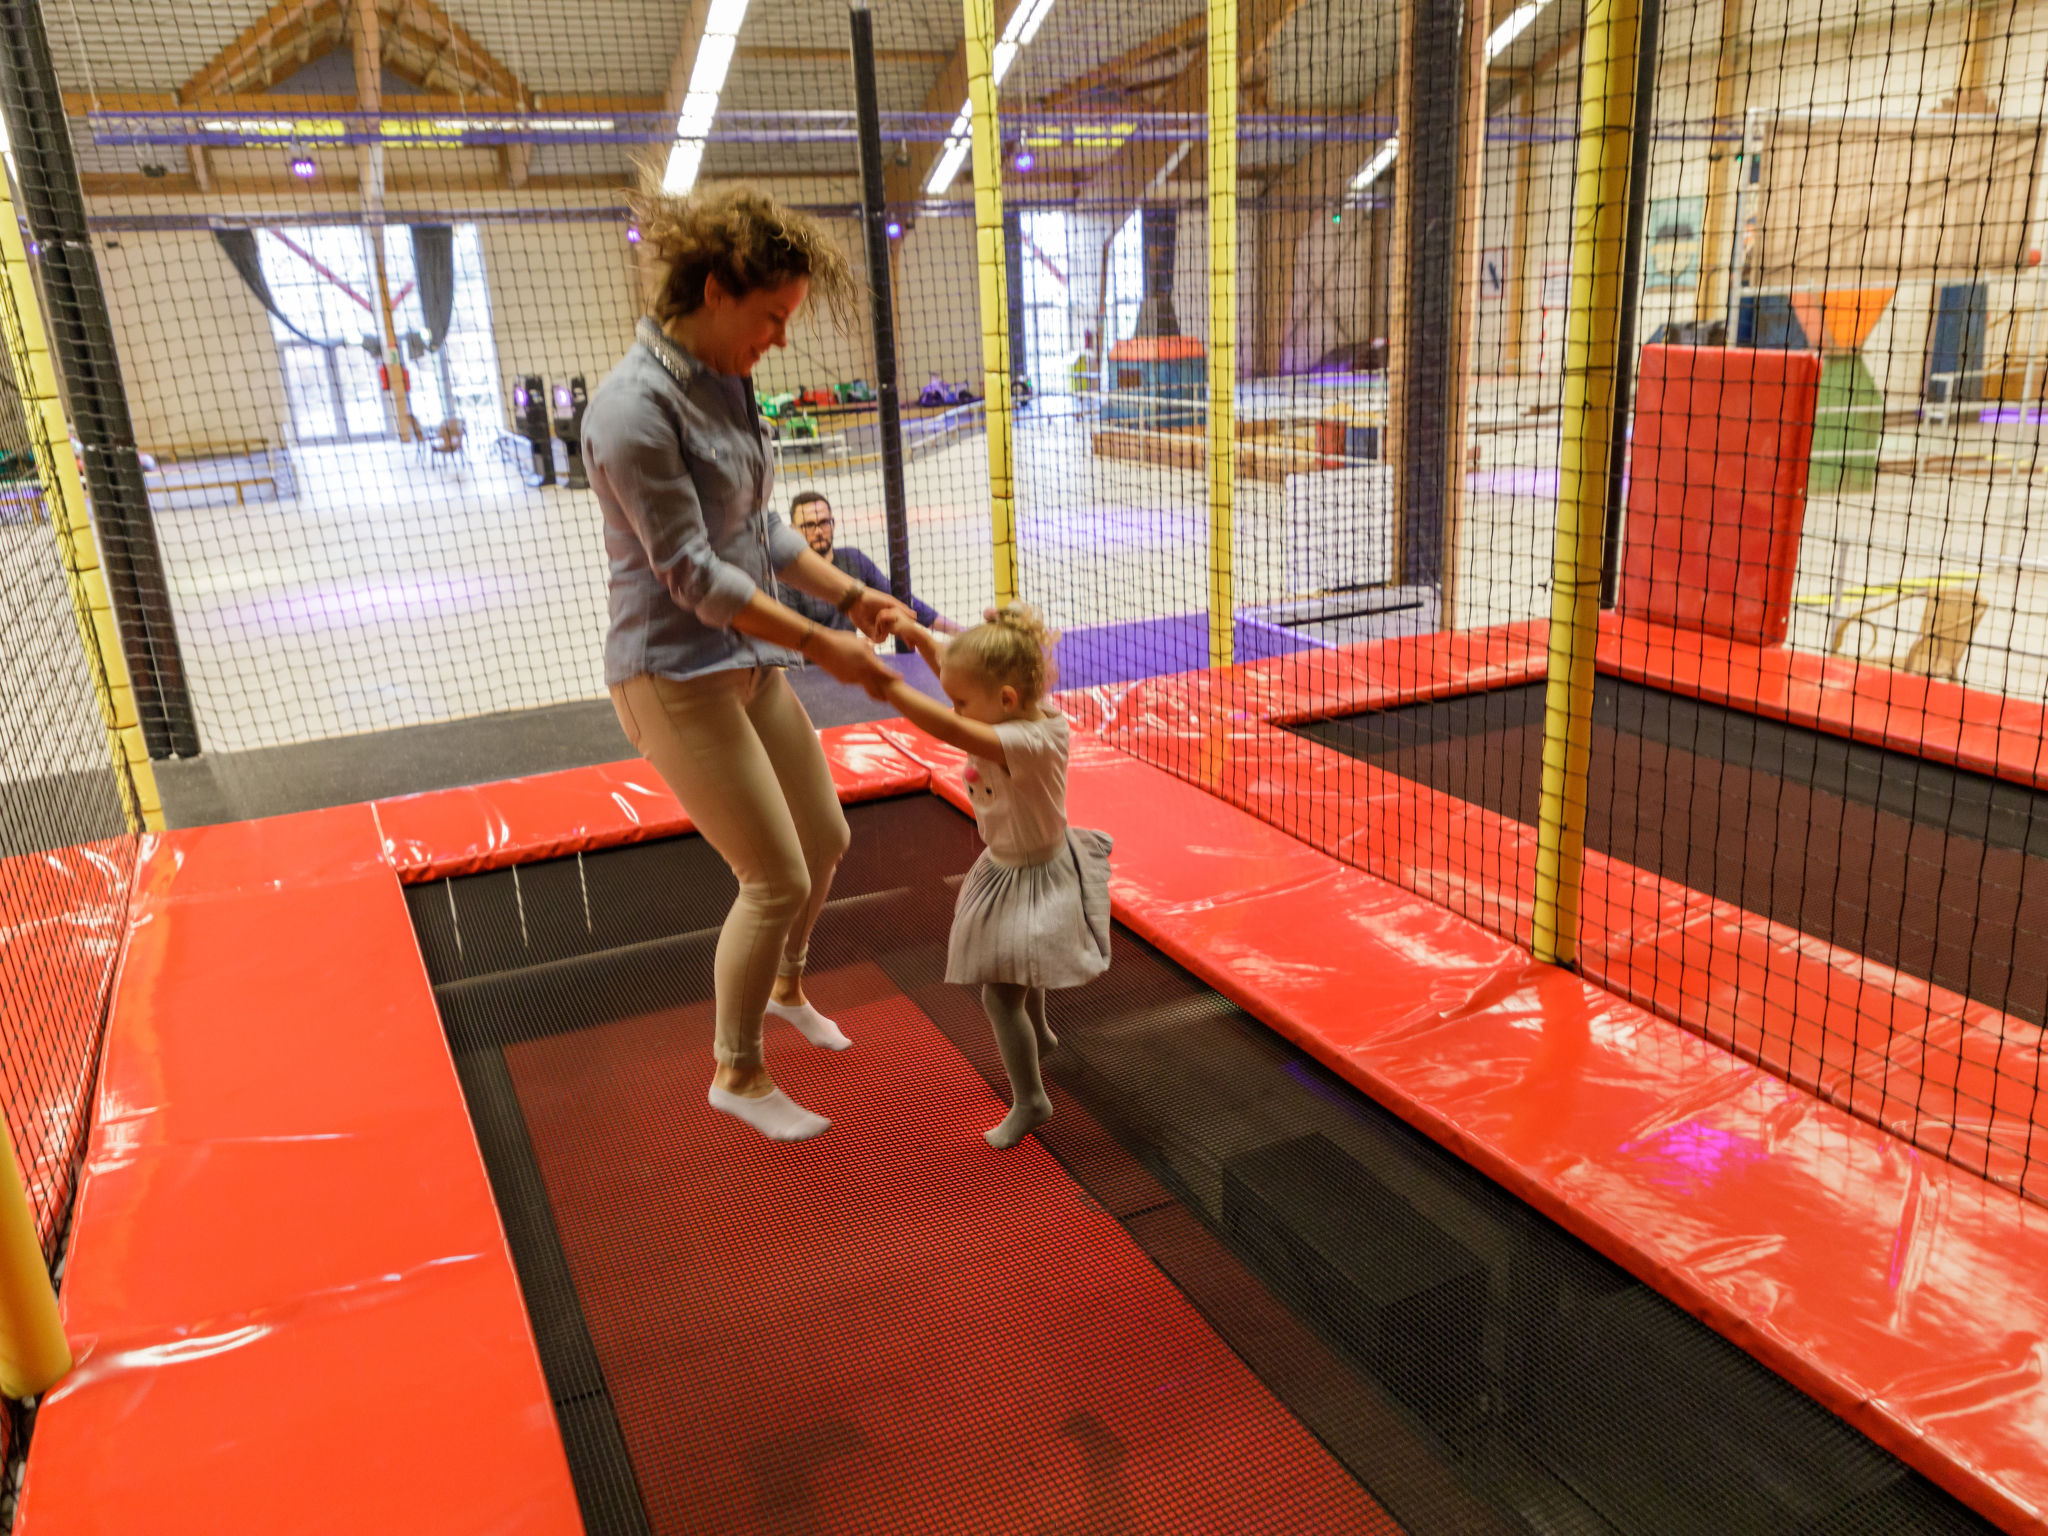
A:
(1028, 622)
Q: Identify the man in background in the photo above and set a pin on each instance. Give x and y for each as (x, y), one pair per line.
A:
(810, 514)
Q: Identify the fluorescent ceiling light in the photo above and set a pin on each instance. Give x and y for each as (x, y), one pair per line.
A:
(948, 167)
(1377, 164)
(1023, 25)
(1034, 13)
(1517, 23)
(714, 57)
(699, 107)
(725, 18)
(684, 159)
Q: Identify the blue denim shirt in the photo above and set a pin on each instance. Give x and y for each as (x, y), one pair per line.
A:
(681, 464)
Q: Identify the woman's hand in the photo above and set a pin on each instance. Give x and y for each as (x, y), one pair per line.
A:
(872, 609)
(902, 627)
(847, 658)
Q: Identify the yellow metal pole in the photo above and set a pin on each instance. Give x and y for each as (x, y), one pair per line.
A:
(34, 1355)
(995, 290)
(28, 350)
(1599, 223)
(1222, 324)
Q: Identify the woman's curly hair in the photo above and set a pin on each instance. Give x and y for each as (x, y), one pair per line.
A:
(744, 236)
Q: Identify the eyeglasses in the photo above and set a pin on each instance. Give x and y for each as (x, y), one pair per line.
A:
(815, 522)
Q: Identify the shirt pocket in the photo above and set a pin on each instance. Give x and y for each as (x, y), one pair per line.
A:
(724, 481)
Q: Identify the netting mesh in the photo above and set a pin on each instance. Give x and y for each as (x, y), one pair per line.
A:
(322, 279)
(66, 809)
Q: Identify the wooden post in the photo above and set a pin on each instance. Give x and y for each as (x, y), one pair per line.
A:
(369, 57)
(1717, 253)
(1471, 177)
(1518, 257)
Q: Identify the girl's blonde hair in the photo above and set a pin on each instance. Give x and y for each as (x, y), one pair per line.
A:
(744, 236)
(1013, 649)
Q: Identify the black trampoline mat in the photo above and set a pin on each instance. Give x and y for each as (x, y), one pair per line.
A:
(1470, 1365)
(1935, 871)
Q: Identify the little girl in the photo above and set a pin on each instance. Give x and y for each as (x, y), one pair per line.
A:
(1033, 913)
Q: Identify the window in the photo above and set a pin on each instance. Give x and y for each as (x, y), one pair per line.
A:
(323, 281)
(1047, 326)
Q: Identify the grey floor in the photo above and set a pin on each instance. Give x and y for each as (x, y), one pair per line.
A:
(274, 781)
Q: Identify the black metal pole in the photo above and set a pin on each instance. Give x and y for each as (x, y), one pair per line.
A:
(89, 372)
(1631, 281)
(874, 224)
(1429, 143)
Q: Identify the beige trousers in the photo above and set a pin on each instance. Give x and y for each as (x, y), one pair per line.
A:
(741, 755)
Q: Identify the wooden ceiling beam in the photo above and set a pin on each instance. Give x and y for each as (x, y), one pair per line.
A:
(1174, 40)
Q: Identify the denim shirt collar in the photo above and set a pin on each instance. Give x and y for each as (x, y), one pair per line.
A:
(681, 366)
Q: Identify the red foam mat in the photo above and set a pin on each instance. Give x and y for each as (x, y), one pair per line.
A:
(289, 1297)
(491, 826)
(892, 1328)
(1983, 732)
(1895, 1288)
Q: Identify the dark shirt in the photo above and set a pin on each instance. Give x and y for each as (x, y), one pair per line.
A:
(861, 568)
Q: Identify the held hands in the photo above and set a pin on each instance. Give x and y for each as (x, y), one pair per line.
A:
(903, 626)
(873, 611)
(847, 658)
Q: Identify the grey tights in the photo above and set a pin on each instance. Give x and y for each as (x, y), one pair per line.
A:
(1018, 1016)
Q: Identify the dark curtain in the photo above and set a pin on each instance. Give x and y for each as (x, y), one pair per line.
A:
(240, 246)
(433, 268)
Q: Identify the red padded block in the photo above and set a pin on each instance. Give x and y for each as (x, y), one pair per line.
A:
(288, 1293)
(62, 914)
(1717, 488)
(1894, 1287)
(490, 826)
(1984, 732)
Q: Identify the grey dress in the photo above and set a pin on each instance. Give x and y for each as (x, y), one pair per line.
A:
(1034, 909)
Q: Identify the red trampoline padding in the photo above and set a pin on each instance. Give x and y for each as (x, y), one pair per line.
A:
(62, 915)
(892, 1328)
(1983, 732)
(1717, 488)
(448, 832)
(1895, 1288)
(289, 1298)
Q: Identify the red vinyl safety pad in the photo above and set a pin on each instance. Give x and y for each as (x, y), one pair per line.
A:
(1929, 1064)
(288, 1294)
(1895, 1288)
(1967, 727)
(62, 916)
(1717, 488)
(515, 821)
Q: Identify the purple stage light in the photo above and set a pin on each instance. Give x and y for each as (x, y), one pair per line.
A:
(304, 168)
(1024, 161)
(632, 234)
(893, 230)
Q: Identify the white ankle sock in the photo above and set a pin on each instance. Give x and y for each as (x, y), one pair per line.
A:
(811, 1024)
(775, 1115)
